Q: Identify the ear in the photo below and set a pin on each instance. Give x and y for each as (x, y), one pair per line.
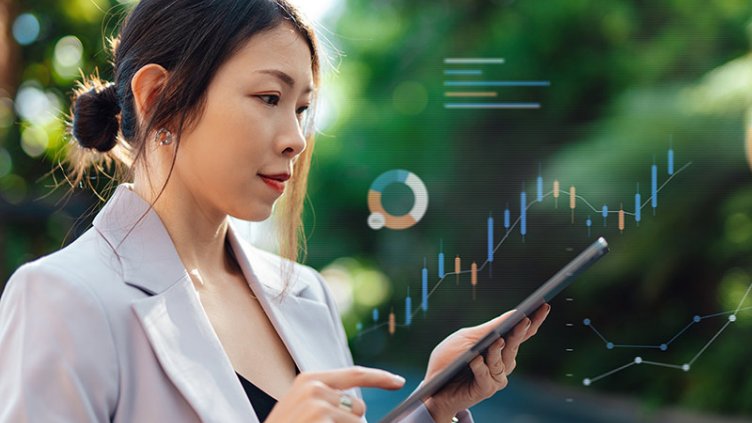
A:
(146, 85)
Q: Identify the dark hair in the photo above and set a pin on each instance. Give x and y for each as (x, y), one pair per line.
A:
(191, 39)
(95, 123)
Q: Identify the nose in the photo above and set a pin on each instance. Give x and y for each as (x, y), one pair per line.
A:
(292, 140)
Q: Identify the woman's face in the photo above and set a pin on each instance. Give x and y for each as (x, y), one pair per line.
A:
(238, 155)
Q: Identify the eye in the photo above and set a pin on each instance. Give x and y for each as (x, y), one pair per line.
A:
(270, 99)
(302, 110)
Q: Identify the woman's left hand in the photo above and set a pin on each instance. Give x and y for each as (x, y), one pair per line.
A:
(489, 371)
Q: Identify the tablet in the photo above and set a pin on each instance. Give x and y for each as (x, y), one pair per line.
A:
(459, 368)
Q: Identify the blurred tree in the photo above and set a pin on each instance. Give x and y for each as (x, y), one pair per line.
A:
(8, 50)
(56, 39)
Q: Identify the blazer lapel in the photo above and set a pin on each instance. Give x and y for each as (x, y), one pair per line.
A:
(303, 322)
(192, 356)
(172, 317)
(177, 326)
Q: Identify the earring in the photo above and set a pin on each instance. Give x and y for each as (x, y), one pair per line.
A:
(163, 137)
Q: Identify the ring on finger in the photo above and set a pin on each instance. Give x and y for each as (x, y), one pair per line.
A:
(346, 403)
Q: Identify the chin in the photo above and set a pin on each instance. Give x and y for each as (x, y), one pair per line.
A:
(252, 212)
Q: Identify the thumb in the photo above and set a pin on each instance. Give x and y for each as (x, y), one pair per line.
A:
(488, 326)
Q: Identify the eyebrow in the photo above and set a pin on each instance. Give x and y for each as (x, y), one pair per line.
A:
(285, 78)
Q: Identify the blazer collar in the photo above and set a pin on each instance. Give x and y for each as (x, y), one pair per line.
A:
(302, 320)
(147, 254)
(177, 327)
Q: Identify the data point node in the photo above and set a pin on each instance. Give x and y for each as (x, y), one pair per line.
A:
(586, 322)
(664, 347)
(638, 360)
(586, 382)
(685, 367)
(610, 345)
(697, 319)
(732, 318)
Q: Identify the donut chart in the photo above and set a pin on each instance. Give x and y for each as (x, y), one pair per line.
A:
(379, 217)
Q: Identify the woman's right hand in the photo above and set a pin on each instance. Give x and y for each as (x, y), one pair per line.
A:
(315, 396)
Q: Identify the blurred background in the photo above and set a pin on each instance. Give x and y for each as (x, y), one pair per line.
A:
(482, 101)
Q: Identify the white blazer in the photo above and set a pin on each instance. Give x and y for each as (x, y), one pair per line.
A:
(96, 334)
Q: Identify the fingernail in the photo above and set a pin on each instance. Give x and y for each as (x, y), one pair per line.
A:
(398, 379)
(527, 325)
(548, 308)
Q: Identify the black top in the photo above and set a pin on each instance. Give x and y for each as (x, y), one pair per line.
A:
(261, 401)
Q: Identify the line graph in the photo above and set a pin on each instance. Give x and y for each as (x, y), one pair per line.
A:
(731, 318)
(510, 226)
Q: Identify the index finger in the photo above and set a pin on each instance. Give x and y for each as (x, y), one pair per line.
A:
(358, 376)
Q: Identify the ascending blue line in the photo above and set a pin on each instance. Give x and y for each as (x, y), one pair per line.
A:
(497, 83)
(464, 72)
(680, 332)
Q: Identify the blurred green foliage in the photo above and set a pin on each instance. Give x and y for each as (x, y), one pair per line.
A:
(628, 79)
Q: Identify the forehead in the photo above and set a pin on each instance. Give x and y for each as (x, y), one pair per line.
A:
(281, 48)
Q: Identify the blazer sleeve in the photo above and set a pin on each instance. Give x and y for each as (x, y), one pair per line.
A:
(421, 414)
(57, 355)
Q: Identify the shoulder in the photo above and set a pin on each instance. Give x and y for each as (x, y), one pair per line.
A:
(53, 297)
(55, 332)
(85, 270)
(53, 294)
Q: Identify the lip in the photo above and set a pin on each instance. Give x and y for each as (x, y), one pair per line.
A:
(275, 182)
(282, 177)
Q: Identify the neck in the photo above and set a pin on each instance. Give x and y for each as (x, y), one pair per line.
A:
(197, 231)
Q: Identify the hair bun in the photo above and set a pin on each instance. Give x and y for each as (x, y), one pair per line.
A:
(95, 122)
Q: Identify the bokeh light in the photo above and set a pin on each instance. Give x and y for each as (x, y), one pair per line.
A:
(371, 288)
(26, 29)
(67, 56)
(34, 141)
(339, 281)
(35, 105)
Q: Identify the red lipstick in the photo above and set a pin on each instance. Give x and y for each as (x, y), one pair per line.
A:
(276, 182)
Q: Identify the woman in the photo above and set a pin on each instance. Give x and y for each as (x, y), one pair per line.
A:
(160, 312)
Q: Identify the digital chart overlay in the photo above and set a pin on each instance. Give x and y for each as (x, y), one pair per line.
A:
(731, 317)
(509, 227)
(467, 85)
(379, 217)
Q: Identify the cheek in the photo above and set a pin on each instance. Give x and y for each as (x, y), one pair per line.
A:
(223, 120)
(224, 151)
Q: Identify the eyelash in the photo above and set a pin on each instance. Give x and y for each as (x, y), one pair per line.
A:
(273, 100)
